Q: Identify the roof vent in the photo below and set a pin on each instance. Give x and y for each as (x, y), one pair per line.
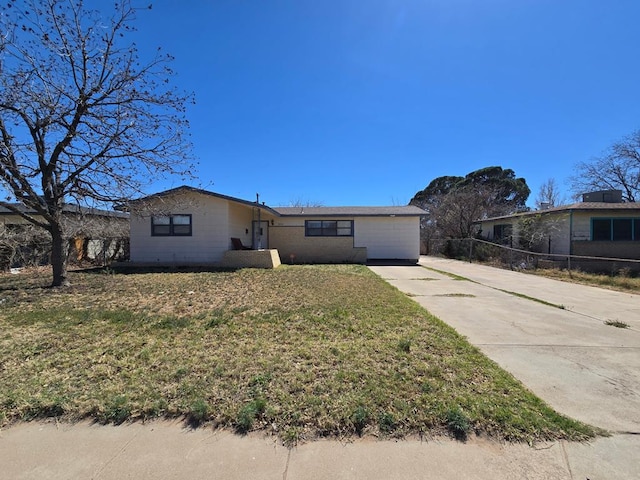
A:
(545, 205)
(603, 196)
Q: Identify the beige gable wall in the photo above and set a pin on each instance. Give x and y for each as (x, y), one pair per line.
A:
(210, 232)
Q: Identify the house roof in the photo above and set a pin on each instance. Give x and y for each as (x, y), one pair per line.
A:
(66, 208)
(186, 188)
(401, 211)
(580, 206)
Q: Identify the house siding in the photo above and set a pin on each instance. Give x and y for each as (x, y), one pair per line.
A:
(240, 218)
(388, 237)
(210, 233)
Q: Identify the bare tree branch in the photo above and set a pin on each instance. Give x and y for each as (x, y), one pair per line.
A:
(82, 118)
(616, 169)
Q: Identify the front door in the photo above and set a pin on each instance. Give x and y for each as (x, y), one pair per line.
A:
(260, 235)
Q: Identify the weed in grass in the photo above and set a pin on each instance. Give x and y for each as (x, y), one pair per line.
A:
(145, 355)
(45, 409)
(458, 424)
(181, 373)
(249, 414)
(360, 418)
(120, 316)
(435, 372)
(217, 317)
(617, 324)
(198, 412)
(386, 422)
(404, 345)
(260, 381)
(117, 410)
(172, 323)
(427, 387)
(291, 436)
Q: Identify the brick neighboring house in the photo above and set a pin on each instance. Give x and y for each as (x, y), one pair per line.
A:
(187, 225)
(599, 226)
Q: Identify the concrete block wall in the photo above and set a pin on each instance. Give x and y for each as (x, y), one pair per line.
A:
(294, 247)
(250, 259)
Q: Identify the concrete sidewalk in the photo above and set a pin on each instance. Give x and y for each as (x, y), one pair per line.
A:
(164, 450)
(569, 357)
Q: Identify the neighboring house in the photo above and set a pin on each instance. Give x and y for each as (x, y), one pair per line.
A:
(95, 235)
(186, 225)
(599, 226)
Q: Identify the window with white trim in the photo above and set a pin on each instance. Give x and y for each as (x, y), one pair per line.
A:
(171, 225)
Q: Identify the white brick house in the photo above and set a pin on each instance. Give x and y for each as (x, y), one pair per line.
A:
(186, 225)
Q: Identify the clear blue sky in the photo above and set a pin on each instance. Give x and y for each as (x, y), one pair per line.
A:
(364, 102)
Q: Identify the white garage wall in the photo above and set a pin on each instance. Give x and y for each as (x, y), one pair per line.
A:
(388, 237)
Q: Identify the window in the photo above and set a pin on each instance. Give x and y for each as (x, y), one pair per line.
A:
(171, 225)
(615, 229)
(502, 232)
(328, 228)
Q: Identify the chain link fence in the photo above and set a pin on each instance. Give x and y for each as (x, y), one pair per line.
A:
(475, 249)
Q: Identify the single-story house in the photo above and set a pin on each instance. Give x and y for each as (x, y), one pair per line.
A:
(599, 226)
(187, 225)
(95, 235)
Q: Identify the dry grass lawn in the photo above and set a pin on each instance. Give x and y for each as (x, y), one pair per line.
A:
(300, 352)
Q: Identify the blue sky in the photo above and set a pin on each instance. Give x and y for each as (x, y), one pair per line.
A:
(365, 102)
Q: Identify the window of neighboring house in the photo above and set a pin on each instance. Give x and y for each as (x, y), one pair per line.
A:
(502, 232)
(171, 225)
(328, 228)
(615, 229)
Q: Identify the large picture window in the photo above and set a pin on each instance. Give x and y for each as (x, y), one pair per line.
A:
(615, 229)
(328, 228)
(171, 225)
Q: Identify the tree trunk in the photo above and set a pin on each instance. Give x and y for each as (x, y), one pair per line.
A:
(59, 254)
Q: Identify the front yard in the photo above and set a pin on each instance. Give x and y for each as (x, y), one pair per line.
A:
(299, 352)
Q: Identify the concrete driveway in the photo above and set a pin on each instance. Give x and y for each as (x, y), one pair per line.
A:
(551, 335)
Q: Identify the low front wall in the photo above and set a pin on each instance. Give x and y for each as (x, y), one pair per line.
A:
(630, 250)
(295, 247)
(250, 259)
(607, 249)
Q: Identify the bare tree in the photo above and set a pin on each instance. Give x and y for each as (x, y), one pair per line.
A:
(82, 119)
(549, 195)
(301, 202)
(616, 169)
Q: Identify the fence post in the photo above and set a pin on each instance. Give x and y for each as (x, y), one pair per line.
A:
(511, 252)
